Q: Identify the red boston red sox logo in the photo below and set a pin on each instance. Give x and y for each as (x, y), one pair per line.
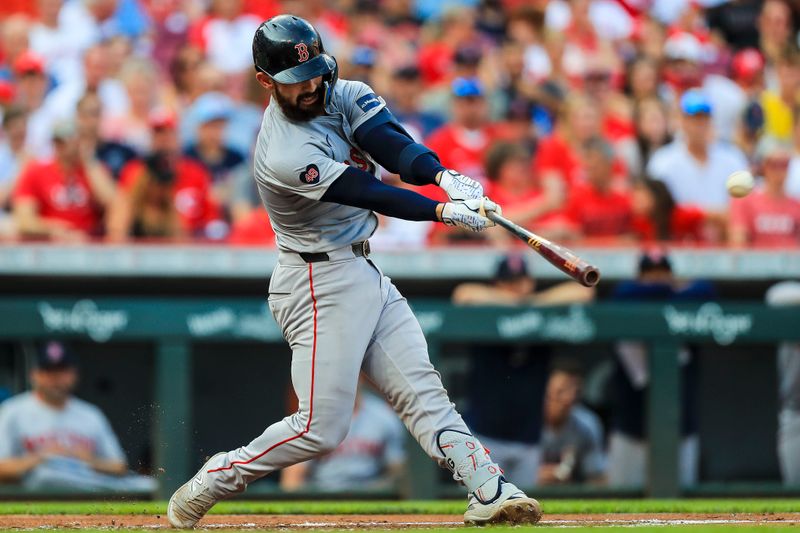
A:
(312, 175)
(302, 51)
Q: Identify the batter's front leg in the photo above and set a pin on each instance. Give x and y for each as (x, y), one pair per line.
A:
(326, 316)
(397, 362)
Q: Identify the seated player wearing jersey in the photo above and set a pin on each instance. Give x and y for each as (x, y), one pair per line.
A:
(572, 435)
(506, 381)
(50, 439)
(316, 168)
(372, 456)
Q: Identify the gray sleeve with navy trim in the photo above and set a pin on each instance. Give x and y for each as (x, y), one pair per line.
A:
(358, 102)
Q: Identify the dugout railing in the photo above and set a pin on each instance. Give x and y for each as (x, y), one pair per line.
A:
(174, 325)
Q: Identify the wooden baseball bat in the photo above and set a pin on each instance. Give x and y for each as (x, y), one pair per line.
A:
(563, 259)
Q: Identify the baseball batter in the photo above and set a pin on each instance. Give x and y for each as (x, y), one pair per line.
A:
(316, 169)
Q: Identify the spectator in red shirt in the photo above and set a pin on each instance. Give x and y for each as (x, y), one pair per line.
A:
(558, 161)
(595, 208)
(656, 216)
(65, 198)
(165, 195)
(462, 143)
(513, 187)
(767, 216)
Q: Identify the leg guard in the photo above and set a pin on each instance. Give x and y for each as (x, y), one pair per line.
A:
(471, 464)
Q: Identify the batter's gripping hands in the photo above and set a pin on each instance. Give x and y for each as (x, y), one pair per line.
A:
(470, 214)
(459, 187)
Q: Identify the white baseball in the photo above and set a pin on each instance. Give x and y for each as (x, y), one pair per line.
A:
(740, 183)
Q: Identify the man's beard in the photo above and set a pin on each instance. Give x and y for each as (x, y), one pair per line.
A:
(294, 111)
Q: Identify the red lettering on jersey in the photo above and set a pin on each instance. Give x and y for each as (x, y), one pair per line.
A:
(358, 160)
(302, 51)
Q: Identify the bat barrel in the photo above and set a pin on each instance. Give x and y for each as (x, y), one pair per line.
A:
(581, 271)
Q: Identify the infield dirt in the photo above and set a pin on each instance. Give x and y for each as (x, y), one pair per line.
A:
(400, 521)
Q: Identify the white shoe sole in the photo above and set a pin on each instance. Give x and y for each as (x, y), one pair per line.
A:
(512, 511)
(171, 517)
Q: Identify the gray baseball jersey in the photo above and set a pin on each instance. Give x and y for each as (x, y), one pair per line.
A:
(341, 316)
(295, 163)
(28, 425)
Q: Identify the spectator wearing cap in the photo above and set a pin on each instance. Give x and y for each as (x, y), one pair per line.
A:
(627, 446)
(361, 64)
(747, 71)
(462, 143)
(694, 167)
(512, 375)
(685, 68)
(32, 85)
(64, 198)
(595, 208)
(779, 103)
(165, 194)
(225, 165)
(767, 216)
(49, 439)
(406, 89)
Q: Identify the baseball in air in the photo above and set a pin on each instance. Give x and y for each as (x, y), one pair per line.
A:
(740, 183)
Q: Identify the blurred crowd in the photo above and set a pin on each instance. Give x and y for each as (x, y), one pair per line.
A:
(611, 121)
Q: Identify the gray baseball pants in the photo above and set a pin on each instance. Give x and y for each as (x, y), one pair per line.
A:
(340, 317)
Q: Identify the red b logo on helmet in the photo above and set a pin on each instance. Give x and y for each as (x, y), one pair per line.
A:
(302, 51)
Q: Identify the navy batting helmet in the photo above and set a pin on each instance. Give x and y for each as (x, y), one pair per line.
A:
(290, 50)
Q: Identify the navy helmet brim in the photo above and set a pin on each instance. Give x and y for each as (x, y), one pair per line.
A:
(321, 65)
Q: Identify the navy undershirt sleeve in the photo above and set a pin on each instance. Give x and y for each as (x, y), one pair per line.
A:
(393, 148)
(360, 189)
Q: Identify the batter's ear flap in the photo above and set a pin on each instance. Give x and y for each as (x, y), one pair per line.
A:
(330, 80)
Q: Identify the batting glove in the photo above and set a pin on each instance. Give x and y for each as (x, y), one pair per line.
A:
(459, 187)
(470, 214)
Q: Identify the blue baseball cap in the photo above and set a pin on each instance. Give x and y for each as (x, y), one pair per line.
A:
(363, 56)
(213, 106)
(695, 102)
(467, 87)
